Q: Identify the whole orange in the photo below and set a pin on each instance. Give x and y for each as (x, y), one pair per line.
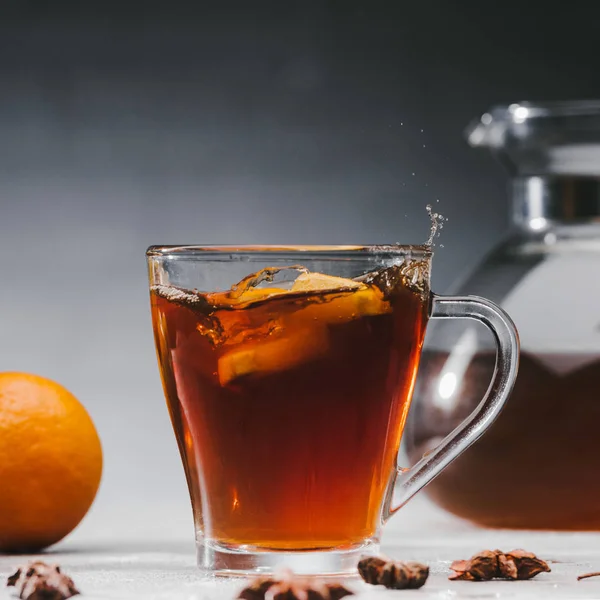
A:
(50, 462)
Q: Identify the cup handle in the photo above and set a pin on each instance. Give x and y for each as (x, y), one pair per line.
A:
(410, 481)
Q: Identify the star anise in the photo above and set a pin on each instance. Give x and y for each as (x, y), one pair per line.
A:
(393, 574)
(40, 581)
(495, 564)
(285, 585)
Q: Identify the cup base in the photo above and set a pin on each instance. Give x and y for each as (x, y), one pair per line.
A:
(243, 561)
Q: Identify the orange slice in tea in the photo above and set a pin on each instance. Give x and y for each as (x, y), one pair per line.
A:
(275, 355)
(309, 282)
(338, 300)
(318, 301)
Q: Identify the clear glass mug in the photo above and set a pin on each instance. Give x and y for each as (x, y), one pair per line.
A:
(288, 372)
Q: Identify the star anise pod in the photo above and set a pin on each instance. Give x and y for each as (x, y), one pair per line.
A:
(40, 581)
(495, 564)
(393, 574)
(285, 585)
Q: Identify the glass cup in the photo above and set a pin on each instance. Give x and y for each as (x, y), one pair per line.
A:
(288, 372)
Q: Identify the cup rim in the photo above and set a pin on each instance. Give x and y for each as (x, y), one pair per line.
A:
(320, 250)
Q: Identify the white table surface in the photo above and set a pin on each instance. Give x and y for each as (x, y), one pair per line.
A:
(110, 562)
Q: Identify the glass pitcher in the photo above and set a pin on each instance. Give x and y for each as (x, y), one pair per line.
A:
(538, 466)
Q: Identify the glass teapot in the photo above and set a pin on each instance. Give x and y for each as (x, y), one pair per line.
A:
(538, 467)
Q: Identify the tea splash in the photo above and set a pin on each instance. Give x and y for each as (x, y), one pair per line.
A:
(437, 224)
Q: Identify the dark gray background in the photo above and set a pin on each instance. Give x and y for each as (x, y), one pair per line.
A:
(127, 124)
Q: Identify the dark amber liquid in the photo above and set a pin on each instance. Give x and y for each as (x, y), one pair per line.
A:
(538, 466)
(289, 417)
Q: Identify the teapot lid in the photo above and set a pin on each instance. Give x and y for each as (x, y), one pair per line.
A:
(542, 138)
(552, 152)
